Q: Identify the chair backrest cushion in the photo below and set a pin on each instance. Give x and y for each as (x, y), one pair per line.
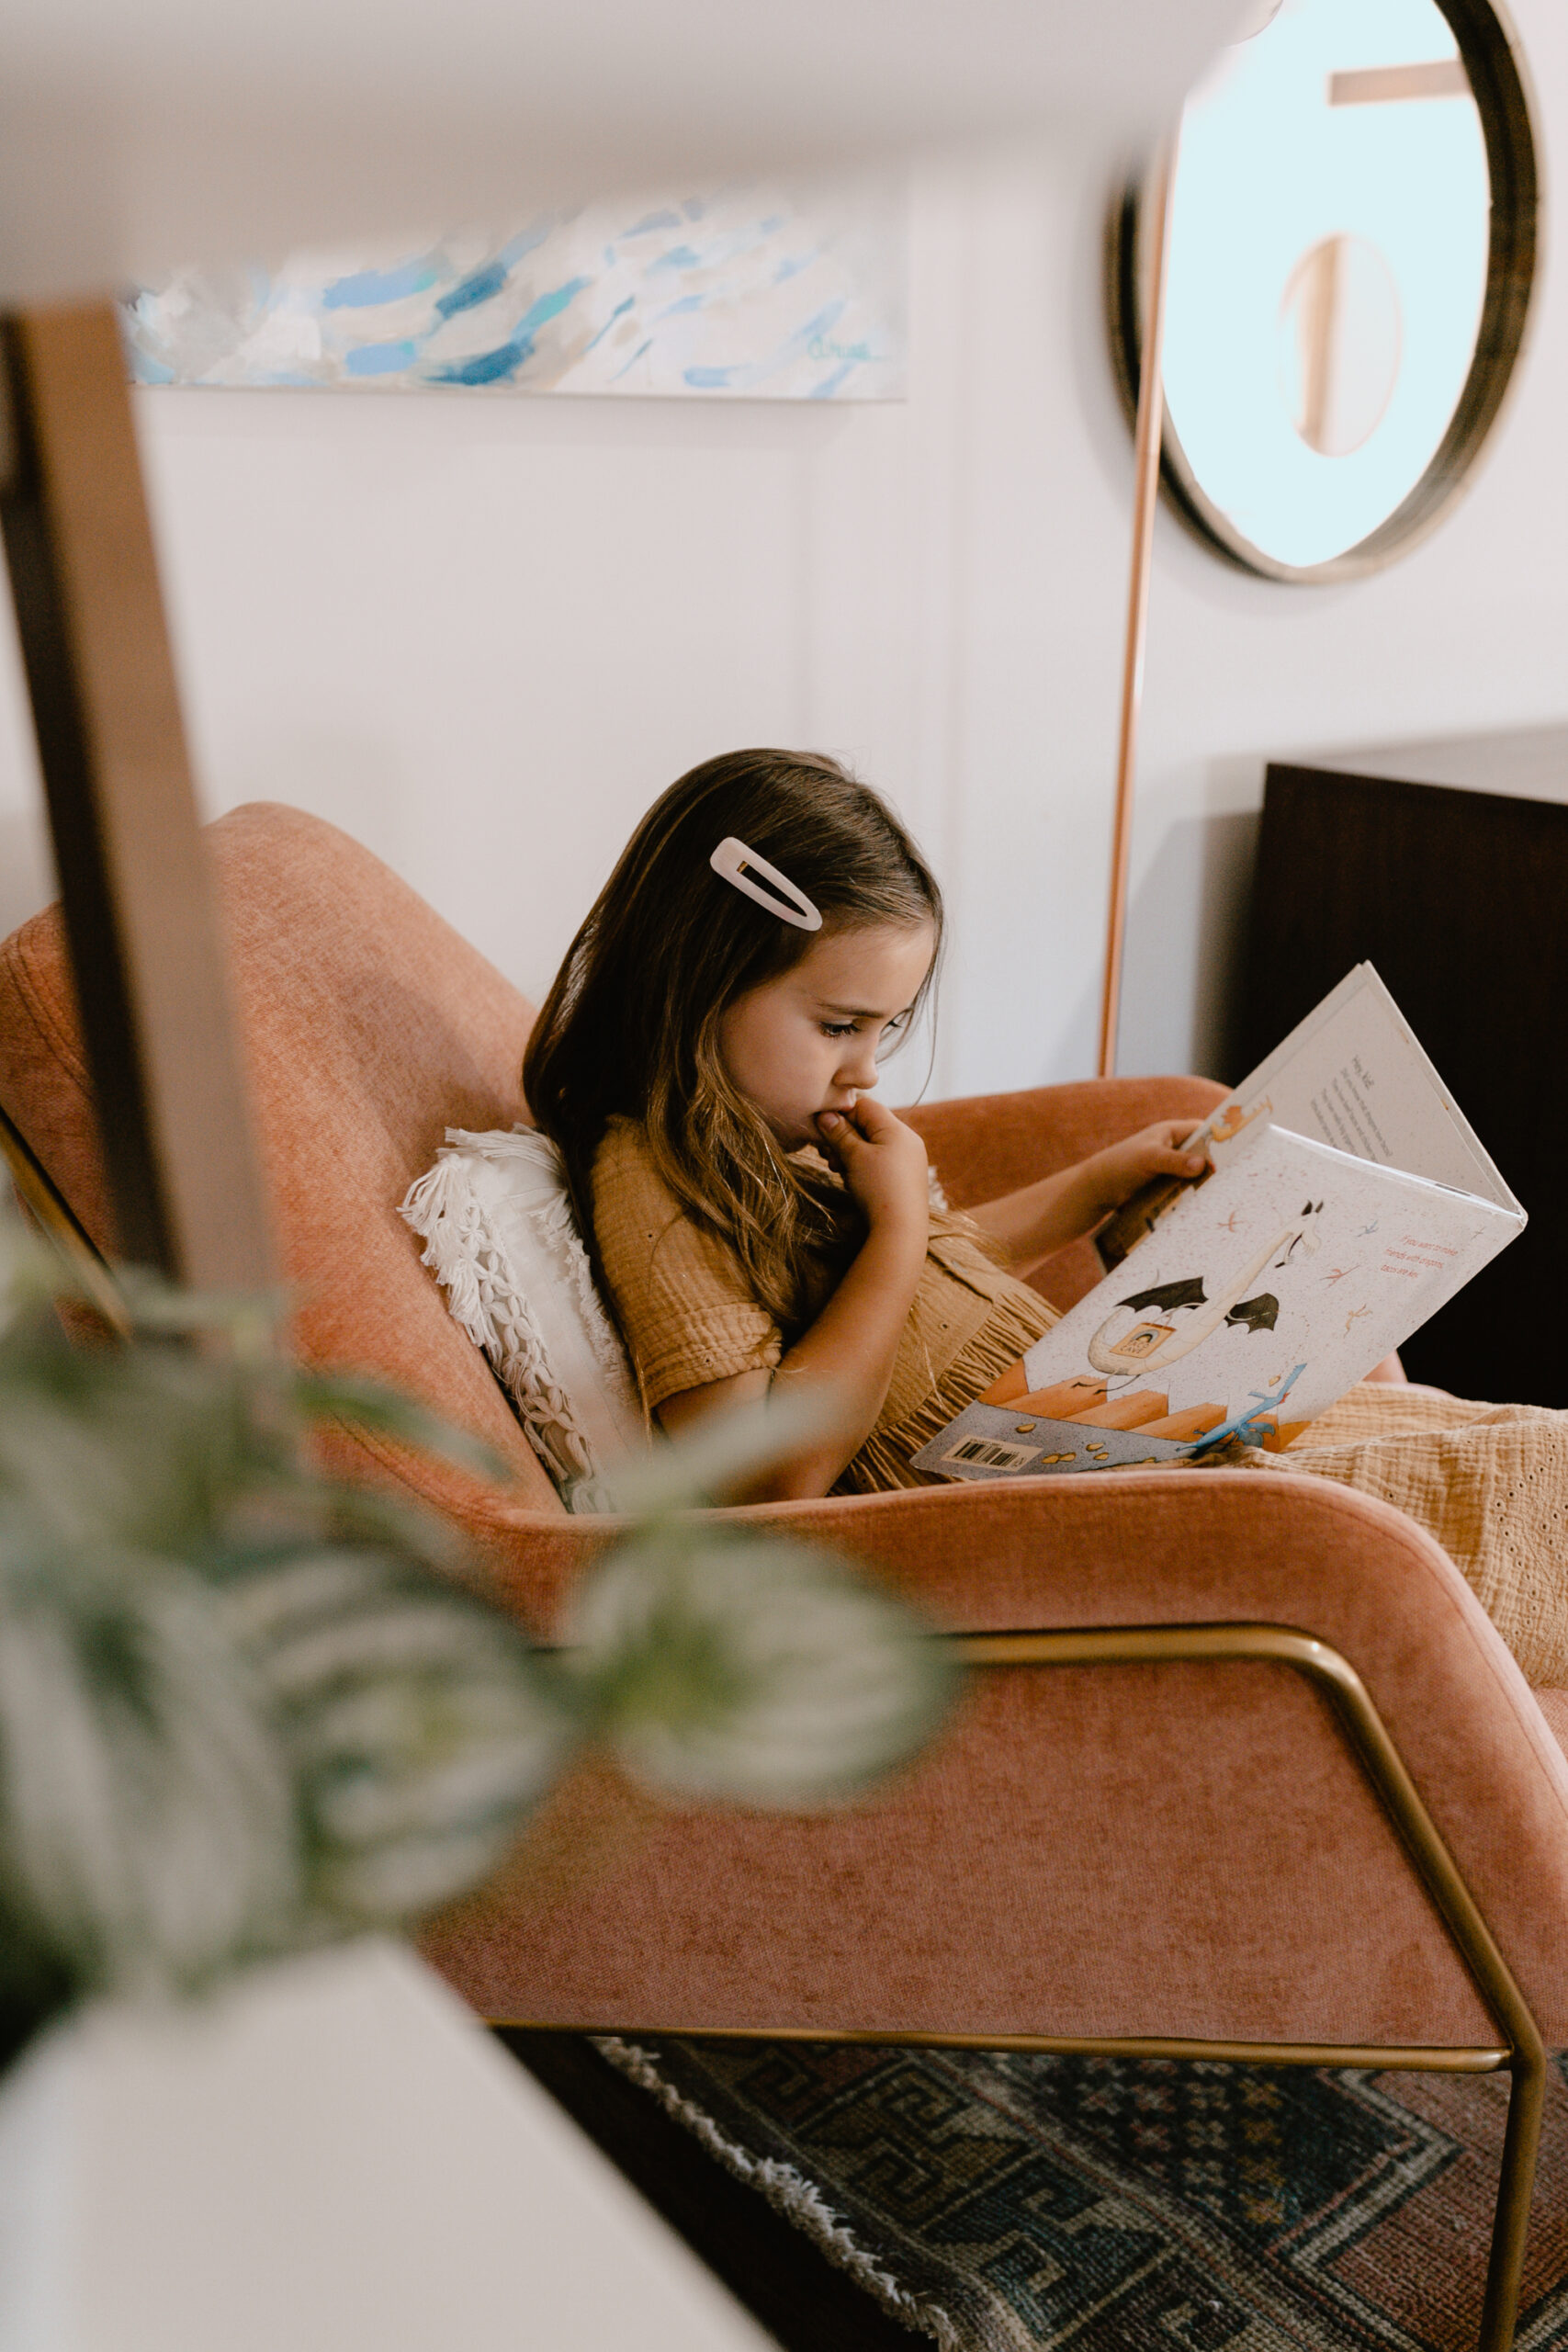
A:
(370, 1026)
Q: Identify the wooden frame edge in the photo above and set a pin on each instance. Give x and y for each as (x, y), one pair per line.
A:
(1494, 60)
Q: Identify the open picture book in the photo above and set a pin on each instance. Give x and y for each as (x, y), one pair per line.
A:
(1347, 1198)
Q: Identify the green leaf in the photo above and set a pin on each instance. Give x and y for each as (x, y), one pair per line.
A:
(419, 1723)
(249, 1320)
(761, 1671)
(352, 1397)
(719, 1456)
(32, 1275)
(148, 1838)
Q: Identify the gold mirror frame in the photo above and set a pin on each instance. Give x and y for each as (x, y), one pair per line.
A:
(1490, 52)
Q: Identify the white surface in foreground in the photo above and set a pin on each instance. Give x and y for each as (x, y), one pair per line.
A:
(332, 2157)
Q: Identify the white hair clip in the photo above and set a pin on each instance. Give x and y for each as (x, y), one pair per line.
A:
(742, 866)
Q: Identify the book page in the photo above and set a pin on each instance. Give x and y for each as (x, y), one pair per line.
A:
(1353, 1074)
(1254, 1303)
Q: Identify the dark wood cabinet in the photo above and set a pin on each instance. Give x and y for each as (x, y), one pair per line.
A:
(1460, 897)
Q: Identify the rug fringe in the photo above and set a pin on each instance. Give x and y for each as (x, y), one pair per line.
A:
(788, 2192)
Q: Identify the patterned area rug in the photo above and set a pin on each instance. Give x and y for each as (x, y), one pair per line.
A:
(999, 2203)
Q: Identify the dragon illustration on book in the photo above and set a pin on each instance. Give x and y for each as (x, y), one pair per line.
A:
(1172, 1319)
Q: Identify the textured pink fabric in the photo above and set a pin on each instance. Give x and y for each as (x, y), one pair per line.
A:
(1169, 1849)
(370, 1026)
(1151, 1849)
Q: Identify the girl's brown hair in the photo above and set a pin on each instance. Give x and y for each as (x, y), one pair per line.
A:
(631, 1023)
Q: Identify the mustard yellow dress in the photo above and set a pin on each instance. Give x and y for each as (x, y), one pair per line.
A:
(688, 1317)
(1489, 1481)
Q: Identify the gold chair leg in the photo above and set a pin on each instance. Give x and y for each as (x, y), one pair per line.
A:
(1521, 2144)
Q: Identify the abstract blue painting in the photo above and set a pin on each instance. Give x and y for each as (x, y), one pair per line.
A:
(745, 293)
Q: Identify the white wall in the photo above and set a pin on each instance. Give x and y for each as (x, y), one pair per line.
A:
(483, 633)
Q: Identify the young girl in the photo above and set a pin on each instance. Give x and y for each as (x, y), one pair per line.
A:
(707, 1061)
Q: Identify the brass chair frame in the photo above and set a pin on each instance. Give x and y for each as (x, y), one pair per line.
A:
(1520, 2049)
(54, 1217)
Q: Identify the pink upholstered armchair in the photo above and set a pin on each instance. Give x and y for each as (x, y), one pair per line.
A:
(1242, 1769)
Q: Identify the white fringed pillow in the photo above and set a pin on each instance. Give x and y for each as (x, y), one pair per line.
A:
(499, 1236)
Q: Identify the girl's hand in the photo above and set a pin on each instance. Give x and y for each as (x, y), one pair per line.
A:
(1114, 1175)
(846, 1357)
(1044, 1217)
(883, 1162)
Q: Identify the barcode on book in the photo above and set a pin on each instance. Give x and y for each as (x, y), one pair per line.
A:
(986, 1455)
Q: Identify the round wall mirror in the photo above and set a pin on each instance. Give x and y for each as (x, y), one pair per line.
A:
(1351, 244)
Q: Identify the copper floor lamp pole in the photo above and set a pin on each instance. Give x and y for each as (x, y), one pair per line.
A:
(1146, 456)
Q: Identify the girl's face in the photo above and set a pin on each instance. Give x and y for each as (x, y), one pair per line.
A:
(807, 1042)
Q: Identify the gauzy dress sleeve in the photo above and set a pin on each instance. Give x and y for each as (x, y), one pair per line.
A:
(679, 1294)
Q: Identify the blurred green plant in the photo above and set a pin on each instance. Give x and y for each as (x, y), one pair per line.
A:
(246, 1708)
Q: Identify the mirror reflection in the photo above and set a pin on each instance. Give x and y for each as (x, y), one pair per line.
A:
(1341, 324)
(1331, 252)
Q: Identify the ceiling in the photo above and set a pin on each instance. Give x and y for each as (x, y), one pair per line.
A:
(139, 134)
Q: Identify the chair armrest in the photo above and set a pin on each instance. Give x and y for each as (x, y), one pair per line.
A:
(1144, 1548)
(983, 1144)
(1105, 1776)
